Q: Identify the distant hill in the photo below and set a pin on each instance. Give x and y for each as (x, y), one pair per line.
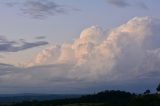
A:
(105, 98)
(30, 97)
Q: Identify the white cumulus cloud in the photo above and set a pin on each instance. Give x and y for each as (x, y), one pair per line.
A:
(126, 54)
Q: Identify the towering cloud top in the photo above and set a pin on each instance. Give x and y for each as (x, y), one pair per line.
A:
(127, 54)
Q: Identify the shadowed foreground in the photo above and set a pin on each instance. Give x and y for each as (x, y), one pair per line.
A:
(106, 98)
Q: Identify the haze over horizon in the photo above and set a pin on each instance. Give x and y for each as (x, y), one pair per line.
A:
(59, 46)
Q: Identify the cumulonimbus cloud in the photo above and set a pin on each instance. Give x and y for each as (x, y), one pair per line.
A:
(124, 48)
(122, 51)
(128, 54)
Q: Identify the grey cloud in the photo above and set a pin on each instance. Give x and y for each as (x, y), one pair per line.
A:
(28, 45)
(40, 37)
(39, 9)
(125, 3)
(119, 3)
(41, 77)
(15, 46)
(42, 9)
(142, 5)
(11, 4)
(60, 77)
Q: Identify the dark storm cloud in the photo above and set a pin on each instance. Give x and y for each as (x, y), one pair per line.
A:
(15, 46)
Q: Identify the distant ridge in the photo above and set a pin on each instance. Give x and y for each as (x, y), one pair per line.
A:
(32, 96)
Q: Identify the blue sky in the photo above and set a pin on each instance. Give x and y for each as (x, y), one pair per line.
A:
(48, 45)
(62, 27)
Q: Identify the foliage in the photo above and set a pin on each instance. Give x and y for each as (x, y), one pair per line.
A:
(105, 98)
(147, 92)
(158, 88)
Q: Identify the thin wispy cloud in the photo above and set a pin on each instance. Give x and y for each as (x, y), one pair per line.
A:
(15, 46)
(142, 5)
(119, 3)
(128, 3)
(10, 4)
(40, 37)
(40, 9)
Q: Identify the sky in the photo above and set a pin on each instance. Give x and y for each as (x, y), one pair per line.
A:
(79, 46)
